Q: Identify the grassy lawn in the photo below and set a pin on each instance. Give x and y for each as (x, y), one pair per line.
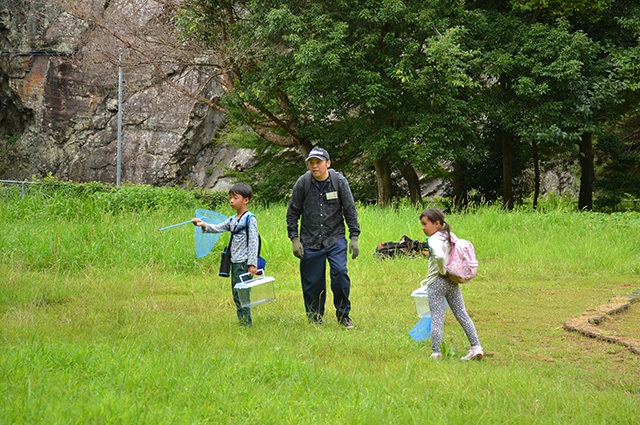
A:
(106, 320)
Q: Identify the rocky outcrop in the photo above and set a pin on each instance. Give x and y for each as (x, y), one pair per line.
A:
(59, 97)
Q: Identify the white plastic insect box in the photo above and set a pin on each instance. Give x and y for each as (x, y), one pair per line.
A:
(421, 299)
(256, 291)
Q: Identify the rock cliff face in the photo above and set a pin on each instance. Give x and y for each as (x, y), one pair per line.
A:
(59, 100)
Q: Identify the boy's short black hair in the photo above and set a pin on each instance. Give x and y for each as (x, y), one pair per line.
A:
(241, 189)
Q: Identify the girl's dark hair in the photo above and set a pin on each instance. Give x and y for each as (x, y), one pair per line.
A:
(433, 215)
(241, 189)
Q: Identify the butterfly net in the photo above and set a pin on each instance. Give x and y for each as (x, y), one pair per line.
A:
(205, 241)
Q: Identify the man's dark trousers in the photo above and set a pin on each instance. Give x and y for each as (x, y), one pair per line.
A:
(313, 276)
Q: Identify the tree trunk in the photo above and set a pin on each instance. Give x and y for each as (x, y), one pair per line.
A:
(507, 170)
(585, 200)
(383, 178)
(459, 194)
(410, 175)
(536, 173)
(305, 147)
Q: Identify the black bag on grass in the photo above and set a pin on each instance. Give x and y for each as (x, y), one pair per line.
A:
(405, 248)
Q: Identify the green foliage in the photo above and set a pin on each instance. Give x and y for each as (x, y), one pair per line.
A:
(551, 202)
(546, 77)
(619, 174)
(142, 197)
(424, 83)
(372, 79)
(68, 196)
(50, 185)
(586, 10)
(628, 202)
(12, 138)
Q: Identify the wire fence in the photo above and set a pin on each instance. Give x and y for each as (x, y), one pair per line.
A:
(7, 185)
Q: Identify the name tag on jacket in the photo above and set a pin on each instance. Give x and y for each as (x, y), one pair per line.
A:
(332, 195)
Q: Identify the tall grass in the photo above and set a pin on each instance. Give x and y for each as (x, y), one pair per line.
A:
(103, 319)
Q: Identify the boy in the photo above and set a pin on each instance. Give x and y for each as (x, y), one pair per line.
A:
(244, 253)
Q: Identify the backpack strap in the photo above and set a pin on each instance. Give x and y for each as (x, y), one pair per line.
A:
(334, 178)
(235, 231)
(307, 182)
(246, 228)
(453, 252)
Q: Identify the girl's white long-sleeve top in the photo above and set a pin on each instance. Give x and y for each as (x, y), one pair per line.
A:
(439, 254)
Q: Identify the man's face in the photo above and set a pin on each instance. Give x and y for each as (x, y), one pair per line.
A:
(318, 168)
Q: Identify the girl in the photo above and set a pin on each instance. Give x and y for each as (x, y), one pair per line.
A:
(441, 287)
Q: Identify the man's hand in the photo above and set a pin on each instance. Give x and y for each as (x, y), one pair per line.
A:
(298, 250)
(354, 249)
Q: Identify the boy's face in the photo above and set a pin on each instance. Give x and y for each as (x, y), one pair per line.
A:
(237, 201)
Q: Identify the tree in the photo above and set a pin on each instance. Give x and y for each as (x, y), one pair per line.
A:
(375, 77)
(549, 84)
(619, 162)
(605, 90)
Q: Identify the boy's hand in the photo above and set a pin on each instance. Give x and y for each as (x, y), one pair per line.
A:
(198, 222)
(253, 270)
(298, 250)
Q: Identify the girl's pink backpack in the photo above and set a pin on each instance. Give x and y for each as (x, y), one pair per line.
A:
(463, 265)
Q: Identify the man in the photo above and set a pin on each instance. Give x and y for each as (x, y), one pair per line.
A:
(323, 198)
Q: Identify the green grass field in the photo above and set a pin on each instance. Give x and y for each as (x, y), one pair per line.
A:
(106, 320)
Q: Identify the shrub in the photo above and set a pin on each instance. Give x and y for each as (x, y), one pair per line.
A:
(128, 197)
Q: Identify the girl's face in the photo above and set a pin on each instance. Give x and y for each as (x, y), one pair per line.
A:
(429, 227)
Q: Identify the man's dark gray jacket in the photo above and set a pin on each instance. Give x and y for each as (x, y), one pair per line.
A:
(323, 211)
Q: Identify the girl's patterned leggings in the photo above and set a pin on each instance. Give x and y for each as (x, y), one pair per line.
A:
(438, 290)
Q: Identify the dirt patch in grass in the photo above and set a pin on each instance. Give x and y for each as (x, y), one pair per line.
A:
(617, 322)
(626, 323)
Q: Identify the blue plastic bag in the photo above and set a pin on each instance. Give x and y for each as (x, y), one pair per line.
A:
(421, 331)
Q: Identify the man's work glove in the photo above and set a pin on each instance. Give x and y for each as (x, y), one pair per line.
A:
(354, 249)
(298, 250)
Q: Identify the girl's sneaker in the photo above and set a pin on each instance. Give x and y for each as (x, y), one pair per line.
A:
(436, 356)
(475, 353)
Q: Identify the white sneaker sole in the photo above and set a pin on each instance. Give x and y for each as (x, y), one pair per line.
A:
(476, 356)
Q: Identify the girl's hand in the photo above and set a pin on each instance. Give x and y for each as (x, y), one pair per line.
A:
(253, 270)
